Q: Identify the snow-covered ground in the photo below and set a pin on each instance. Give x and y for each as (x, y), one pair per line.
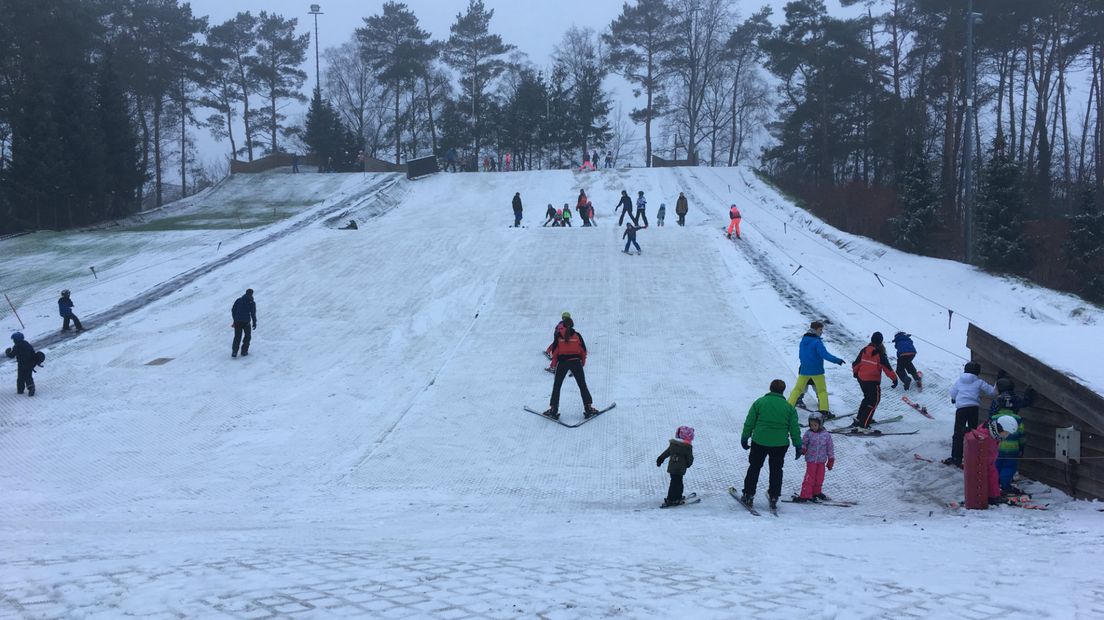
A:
(371, 457)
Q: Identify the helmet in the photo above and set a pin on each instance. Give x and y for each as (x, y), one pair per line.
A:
(1008, 424)
(1004, 384)
(65, 292)
(816, 417)
(663, 205)
(685, 433)
(565, 315)
(973, 368)
(17, 337)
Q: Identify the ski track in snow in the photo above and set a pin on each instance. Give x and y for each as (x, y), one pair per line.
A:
(371, 456)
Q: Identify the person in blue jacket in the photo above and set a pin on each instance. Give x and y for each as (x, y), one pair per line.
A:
(812, 354)
(65, 309)
(906, 352)
(243, 312)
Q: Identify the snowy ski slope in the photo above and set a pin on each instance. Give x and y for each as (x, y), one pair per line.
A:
(371, 457)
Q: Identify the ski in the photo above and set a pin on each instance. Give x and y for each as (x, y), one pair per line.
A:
(850, 431)
(923, 458)
(836, 417)
(897, 418)
(736, 496)
(546, 354)
(922, 409)
(689, 499)
(577, 425)
(823, 502)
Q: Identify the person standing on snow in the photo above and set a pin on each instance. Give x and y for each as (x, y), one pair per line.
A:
(65, 309)
(906, 352)
(517, 209)
(681, 452)
(567, 214)
(590, 214)
(556, 332)
(641, 204)
(820, 454)
(733, 221)
(681, 209)
(661, 213)
(609, 159)
(626, 206)
(243, 312)
(569, 355)
(580, 207)
(868, 368)
(770, 427)
(25, 360)
(550, 215)
(966, 395)
(812, 354)
(630, 234)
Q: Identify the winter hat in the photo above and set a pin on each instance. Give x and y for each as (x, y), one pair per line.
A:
(663, 205)
(973, 368)
(1008, 424)
(17, 337)
(900, 335)
(65, 292)
(1004, 384)
(876, 338)
(685, 433)
(565, 315)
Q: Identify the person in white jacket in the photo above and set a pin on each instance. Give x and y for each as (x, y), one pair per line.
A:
(966, 396)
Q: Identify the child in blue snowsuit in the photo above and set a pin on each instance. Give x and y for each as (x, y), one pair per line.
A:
(906, 352)
(630, 234)
(1010, 429)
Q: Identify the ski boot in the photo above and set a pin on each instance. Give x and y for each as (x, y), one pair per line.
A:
(30, 390)
(797, 499)
(827, 415)
(821, 497)
(551, 413)
(951, 461)
(590, 411)
(772, 502)
(747, 500)
(679, 502)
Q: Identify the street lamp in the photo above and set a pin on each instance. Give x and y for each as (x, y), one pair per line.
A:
(316, 11)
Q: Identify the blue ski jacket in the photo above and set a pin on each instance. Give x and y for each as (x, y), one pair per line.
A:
(812, 354)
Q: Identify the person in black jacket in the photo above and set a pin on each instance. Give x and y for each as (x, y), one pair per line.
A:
(517, 209)
(25, 359)
(681, 453)
(65, 310)
(626, 208)
(550, 215)
(244, 311)
(630, 234)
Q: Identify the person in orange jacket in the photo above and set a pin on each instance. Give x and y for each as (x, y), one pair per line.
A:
(868, 368)
(734, 221)
(581, 207)
(569, 354)
(559, 330)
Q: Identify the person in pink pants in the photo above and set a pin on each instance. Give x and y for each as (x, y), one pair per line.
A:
(820, 454)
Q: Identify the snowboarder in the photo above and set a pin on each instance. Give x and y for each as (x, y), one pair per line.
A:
(681, 209)
(820, 454)
(25, 361)
(243, 311)
(556, 332)
(966, 396)
(812, 354)
(566, 215)
(550, 215)
(1011, 448)
(65, 309)
(630, 234)
(906, 352)
(868, 367)
(661, 213)
(770, 427)
(626, 208)
(641, 204)
(733, 221)
(569, 355)
(681, 452)
(517, 209)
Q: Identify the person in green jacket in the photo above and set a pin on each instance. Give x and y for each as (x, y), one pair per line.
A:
(771, 426)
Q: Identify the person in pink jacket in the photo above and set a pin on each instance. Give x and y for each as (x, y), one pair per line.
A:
(820, 454)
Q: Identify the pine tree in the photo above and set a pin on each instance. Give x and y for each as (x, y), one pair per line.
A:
(475, 54)
(279, 54)
(1000, 241)
(1084, 249)
(328, 139)
(919, 206)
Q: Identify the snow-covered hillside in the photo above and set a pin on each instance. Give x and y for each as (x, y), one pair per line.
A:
(371, 458)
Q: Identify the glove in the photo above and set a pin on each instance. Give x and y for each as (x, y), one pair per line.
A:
(839, 363)
(797, 453)
(659, 461)
(831, 463)
(744, 443)
(894, 386)
(254, 326)
(7, 352)
(952, 401)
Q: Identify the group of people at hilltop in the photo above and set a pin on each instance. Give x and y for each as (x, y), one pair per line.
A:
(454, 161)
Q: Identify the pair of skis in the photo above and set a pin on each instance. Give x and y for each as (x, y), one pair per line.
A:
(565, 424)
(692, 498)
(852, 431)
(921, 408)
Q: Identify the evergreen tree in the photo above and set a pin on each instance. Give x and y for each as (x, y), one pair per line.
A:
(1000, 241)
(919, 204)
(122, 176)
(233, 42)
(1084, 249)
(328, 139)
(279, 55)
(475, 53)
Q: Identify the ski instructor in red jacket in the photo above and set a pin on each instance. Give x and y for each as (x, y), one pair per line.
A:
(569, 354)
(868, 368)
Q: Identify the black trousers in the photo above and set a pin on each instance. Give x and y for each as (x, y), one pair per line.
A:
(872, 395)
(242, 334)
(674, 492)
(905, 368)
(517, 219)
(640, 215)
(586, 220)
(76, 323)
(965, 419)
(24, 378)
(563, 366)
(624, 212)
(759, 454)
(682, 219)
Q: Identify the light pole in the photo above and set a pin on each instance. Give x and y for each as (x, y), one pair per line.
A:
(968, 137)
(316, 11)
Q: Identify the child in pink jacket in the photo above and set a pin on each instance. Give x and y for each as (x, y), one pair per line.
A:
(820, 454)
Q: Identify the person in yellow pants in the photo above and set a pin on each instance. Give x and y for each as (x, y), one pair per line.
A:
(812, 354)
(734, 221)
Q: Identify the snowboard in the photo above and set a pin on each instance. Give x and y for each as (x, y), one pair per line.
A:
(690, 499)
(922, 409)
(565, 424)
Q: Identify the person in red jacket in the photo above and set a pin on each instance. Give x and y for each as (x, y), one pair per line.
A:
(559, 330)
(569, 354)
(733, 221)
(868, 368)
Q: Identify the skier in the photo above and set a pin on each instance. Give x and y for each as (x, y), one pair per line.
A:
(681, 209)
(594, 160)
(590, 213)
(243, 311)
(906, 352)
(559, 219)
(868, 367)
(65, 309)
(1011, 448)
(661, 213)
(566, 215)
(630, 234)
(507, 168)
(626, 208)
(733, 221)
(681, 452)
(25, 360)
(771, 426)
(450, 159)
(820, 454)
(609, 159)
(517, 209)
(569, 354)
(966, 396)
(581, 207)
(550, 215)
(556, 332)
(812, 354)
(641, 204)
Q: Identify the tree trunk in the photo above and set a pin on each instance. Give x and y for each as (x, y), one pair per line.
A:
(157, 149)
(183, 143)
(398, 125)
(272, 121)
(650, 88)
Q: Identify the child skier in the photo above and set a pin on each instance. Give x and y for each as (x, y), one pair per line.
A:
(590, 221)
(868, 368)
(681, 453)
(734, 221)
(550, 215)
(966, 395)
(906, 352)
(820, 454)
(661, 213)
(641, 205)
(630, 234)
(680, 209)
(1011, 447)
(567, 215)
(559, 218)
(65, 309)
(26, 359)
